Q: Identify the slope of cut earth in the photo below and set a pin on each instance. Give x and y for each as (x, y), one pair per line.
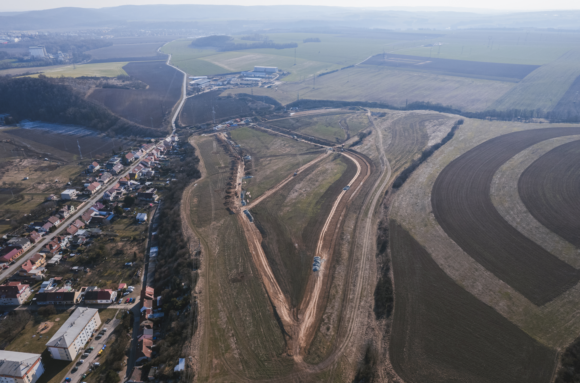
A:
(290, 220)
(462, 206)
(147, 107)
(441, 333)
(242, 339)
(549, 189)
(506, 199)
(326, 126)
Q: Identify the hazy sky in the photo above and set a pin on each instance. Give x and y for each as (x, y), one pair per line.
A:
(523, 5)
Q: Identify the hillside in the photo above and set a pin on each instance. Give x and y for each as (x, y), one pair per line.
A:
(45, 99)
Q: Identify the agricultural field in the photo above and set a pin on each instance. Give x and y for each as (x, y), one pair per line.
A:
(149, 107)
(84, 70)
(503, 235)
(391, 86)
(543, 88)
(125, 51)
(199, 109)
(441, 333)
(460, 68)
(552, 179)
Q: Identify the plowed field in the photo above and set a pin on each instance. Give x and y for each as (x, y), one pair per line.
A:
(441, 333)
(550, 190)
(147, 107)
(462, 205)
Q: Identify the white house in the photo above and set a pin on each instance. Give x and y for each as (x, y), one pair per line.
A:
(68, 194)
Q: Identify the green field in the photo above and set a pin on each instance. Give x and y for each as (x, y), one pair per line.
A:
(90, 70)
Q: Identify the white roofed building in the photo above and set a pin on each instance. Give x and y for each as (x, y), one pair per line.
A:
(74, 334)
(20, 367)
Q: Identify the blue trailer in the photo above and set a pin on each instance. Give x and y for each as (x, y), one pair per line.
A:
(250, 218)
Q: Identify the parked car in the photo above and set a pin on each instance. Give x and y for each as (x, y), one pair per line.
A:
(67, 379)
(75, 369)
(85, 355)
(80, 362)
(98, 337)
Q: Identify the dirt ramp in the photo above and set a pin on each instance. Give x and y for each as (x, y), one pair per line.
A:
(443, 334)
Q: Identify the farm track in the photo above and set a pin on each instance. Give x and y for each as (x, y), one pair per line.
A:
(462, 205)
(549, 190)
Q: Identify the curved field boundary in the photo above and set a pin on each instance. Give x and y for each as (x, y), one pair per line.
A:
(550, 189)
(462, 205)
(441, 333)
(507, 201)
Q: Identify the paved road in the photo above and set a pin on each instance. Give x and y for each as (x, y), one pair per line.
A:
(97, 344)
(63, 226)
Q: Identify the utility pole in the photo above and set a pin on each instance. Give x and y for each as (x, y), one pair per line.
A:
(79, 145)
(294, 56)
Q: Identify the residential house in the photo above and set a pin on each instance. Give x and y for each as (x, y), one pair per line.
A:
(30, 270)
(63, 296)
(78, 223)
(148, 196)
(38, 260)
(74, 334)
(72, 229)
(52, 247)
(115, 193)
(129, 158)
(9, 254)
(20, 367)
(54, 220)
(148, 173)
(93, 167)
(146, 162)
(104, 178)
(20, 242)
(117, 169)
(45, 228)
(13, 294)
(93, 188)
(87, 216)
(95, 295)
(51, 197)
(66, 211)
(112, 162)
(97, 207)
(35, 236)
(69, 194)
(79, 240)
(141, 217)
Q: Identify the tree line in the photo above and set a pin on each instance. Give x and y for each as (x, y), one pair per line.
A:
(560, 115)
(225, 43)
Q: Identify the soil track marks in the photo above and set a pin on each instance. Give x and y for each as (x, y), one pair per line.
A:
(462, 205)
(442, 333)
(549, 189)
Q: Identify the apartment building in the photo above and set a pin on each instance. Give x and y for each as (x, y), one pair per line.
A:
(74, 334)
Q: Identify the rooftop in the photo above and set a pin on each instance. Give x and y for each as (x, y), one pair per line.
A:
(72, 327)
(16, 364)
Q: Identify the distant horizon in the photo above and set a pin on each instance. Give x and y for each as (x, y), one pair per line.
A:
(492, 6)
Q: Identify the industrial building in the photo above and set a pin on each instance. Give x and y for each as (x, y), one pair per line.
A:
(69, 194)
(20, 367)
(201, 82)
(74, 334)
(267, 69)
(38, 51)
(254, 74)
